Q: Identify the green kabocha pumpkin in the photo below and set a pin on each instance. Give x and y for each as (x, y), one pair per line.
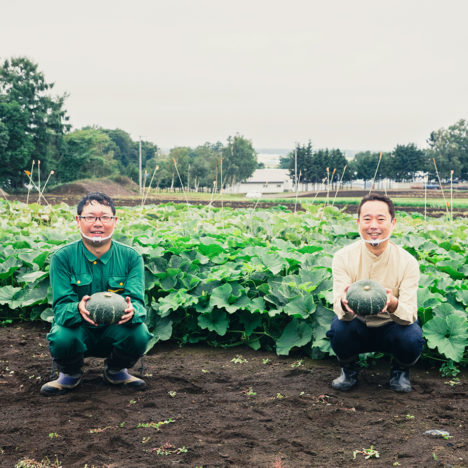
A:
(106, 308)
(366, 297)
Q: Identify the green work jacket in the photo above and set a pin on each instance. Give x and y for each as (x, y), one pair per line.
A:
(75, 272)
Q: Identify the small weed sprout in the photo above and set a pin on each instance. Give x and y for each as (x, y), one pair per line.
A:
(453, 382)
(155, 425)
(409, 416)
(297, 364)
(368, 453)
(172, 393)
(279, 396)
(239, 360)
(53, 435)
(266, 361)
(169, 449)
(250, 392)
(449, 369)
(45, 463)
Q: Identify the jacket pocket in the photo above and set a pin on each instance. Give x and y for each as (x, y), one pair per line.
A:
(82, 284)
(116, 284)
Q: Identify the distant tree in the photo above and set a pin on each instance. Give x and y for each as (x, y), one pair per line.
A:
(89, 153)
(180, 157)
(239, 160)
(449, 148)
(302, 157)
(285, 161)
(406, 161)
(364, 165)
(32, 122)
(126, 152)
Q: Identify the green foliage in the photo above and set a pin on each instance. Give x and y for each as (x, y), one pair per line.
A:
(32, 122)
(449, 147)
(227, 277)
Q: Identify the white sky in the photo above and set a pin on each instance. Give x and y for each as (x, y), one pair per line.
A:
(349, 74)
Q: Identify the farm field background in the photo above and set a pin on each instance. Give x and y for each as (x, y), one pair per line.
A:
(256, 284)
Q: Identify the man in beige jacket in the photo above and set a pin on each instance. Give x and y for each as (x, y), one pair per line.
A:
(395, 329)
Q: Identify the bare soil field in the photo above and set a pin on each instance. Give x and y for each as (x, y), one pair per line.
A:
(123, 195)
(206, 407)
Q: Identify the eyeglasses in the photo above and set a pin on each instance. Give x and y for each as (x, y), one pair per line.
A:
(105, 219)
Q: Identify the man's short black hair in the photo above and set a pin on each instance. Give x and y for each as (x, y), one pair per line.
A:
(98, 197)
(378, 197)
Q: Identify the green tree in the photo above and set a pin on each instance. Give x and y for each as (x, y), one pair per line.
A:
(302, 157)
(239, 160)
(89, 153)
(449, 148)
(126, 152)
(406, 161)
(32, 122)
(364, 165)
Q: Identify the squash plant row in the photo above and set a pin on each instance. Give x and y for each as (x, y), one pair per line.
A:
(225, 277)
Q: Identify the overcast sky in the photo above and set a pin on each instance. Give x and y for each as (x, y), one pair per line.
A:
(349, 74)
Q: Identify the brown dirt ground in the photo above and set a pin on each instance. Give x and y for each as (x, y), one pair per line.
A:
(126, 194)
(294, 419)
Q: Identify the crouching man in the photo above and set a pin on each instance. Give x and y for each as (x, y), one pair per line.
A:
(394, 329)
(94, 264)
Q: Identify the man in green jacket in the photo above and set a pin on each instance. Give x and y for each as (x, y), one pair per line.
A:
(94, 264)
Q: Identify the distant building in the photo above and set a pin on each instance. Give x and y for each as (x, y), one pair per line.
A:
(264, 181)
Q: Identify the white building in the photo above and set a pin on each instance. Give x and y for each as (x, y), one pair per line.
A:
(264, 181)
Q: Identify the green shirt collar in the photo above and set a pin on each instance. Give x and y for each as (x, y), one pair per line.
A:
(92, 258)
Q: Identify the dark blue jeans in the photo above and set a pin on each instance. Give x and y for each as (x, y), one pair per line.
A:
(349, 339)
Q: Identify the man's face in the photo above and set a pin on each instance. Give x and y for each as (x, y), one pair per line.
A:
(96, 228)
(375, 221)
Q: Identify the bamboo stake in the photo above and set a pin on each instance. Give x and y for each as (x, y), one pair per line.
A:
(451, 195)
(425, 196)
(4, 195)
(39, 180)
(440, 185)
(339, 184)
(328, 184)
(149, 186)
(36, 187)
(45, 185)
(29, 185)
(180, 180)
(375, 174)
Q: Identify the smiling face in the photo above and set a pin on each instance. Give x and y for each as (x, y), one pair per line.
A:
(375, 221)
(96, 228)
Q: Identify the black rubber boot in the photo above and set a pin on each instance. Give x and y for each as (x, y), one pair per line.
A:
(399, 378)
(348, 378)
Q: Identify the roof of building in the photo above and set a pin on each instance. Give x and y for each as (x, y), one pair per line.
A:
(269, 176)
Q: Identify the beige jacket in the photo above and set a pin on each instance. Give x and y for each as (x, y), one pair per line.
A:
(395, 269)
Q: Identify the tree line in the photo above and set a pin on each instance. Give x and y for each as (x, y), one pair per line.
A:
(35, 132)
(446, 159)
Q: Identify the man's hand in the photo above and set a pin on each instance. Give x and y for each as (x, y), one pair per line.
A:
(84, 312)
(344, 303)
(129, 312)
(392, 303)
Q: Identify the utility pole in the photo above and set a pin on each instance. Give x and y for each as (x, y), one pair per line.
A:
(139, 168)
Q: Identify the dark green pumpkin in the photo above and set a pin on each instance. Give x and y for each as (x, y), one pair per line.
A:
(366, 297)
(106, 308)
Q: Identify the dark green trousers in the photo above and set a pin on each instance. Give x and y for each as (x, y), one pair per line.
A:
(123, 343)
